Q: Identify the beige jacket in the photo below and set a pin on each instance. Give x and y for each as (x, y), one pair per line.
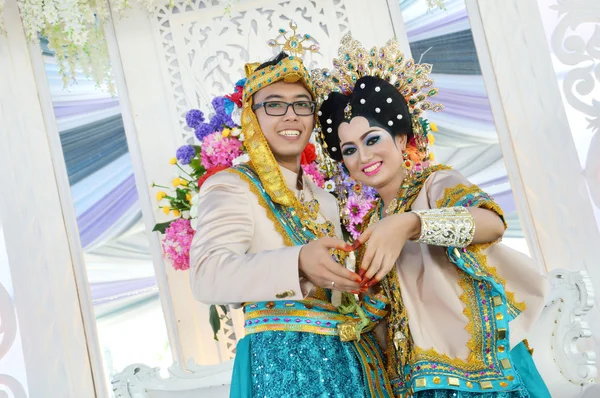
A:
(237, 254)
(431, 288)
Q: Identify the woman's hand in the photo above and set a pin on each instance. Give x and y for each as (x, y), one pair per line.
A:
(384, 241)
(317, 265)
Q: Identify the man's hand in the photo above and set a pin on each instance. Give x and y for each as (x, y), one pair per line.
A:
(317, 265)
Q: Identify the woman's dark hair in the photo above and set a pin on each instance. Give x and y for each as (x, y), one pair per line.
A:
(374, 99)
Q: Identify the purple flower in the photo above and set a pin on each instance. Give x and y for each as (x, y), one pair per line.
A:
(203, 130)
(194, 118)
(219, 103)
(185, 154)
(216, 122)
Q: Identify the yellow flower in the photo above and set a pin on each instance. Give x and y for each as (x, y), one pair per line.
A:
(176, 182)
(430, 139)
(431, 157)
(184, 182)
(166, 209)
(226, 132)
(433, 127)
(188, 197)
(160, 195)
(176, 213)
(173, 161)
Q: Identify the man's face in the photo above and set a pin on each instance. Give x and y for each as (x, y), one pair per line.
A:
(289, 133)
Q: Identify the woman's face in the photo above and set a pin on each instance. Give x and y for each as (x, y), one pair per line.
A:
(371, 155)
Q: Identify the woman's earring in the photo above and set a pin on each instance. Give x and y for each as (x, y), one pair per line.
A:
(407, 163)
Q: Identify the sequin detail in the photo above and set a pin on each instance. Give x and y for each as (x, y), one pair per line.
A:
(312, 366)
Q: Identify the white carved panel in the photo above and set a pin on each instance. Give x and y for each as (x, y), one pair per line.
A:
(562, 334)
(205, 50)
(8, 334)
(582, 52)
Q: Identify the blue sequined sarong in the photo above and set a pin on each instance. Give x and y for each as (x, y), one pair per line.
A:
(296, 364)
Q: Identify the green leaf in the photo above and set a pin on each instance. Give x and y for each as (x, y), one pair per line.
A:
(197, 167)
(223, 308)
(215, 321)
(161, 227)
(181, 194)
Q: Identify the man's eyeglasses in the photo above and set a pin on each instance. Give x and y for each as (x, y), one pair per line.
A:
(280, 108)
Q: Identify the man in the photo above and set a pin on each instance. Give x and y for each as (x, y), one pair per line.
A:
(264, 240)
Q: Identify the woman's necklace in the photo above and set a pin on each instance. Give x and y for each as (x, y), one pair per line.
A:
(393, 206)
(311, 210)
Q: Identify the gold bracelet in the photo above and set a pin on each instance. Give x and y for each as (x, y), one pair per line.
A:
(448, 226)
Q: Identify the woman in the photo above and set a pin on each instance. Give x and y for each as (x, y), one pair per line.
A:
(431, 238)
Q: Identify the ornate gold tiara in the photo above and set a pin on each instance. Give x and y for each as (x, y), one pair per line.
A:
(388, 63)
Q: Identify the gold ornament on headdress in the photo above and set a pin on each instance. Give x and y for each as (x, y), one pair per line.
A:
(294, 44)
(290, 70)
(388, 63)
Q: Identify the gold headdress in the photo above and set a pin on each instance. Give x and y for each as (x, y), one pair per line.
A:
(388, 63)
(291, 70)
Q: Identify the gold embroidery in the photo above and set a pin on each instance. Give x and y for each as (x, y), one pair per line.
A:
(453, 381)
(528, 347)
(481, 258)
(486, 385)
(376, 363)
(348, 330)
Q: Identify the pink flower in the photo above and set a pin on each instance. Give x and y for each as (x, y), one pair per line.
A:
(176, 243)
(219, 151)
(312, 170)
(356, 209)
(354, 231)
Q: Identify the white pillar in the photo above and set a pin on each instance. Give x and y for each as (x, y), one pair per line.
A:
(152, 137)
(541, 159)
(38, 248)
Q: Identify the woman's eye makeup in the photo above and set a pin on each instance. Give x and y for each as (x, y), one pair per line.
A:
(372, 139)
(349, 150)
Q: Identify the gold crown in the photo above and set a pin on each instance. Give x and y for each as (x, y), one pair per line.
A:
(354, 61)
(294, 44)
(388, 63)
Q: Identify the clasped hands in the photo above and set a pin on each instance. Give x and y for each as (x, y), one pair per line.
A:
(384, 241)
